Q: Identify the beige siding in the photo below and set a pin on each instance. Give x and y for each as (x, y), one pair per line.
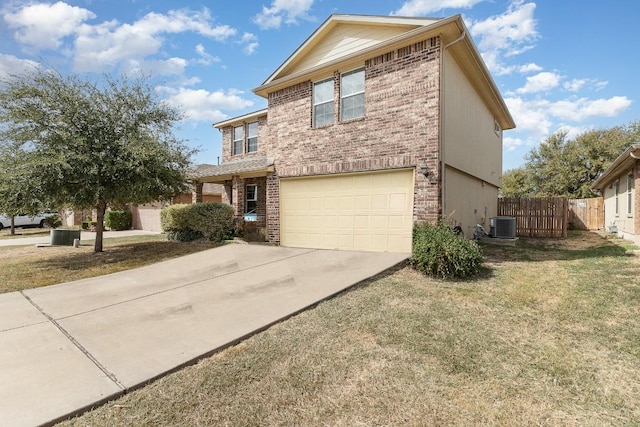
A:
(470, 142)
(469, 201)
(624, 221)
(365, 212)
(345, 40)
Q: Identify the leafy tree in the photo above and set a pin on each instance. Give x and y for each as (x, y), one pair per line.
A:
(560, 166)
(87, 144)
(18, 194)
(517, 182)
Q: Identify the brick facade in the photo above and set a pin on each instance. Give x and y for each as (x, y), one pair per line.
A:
(400, 129)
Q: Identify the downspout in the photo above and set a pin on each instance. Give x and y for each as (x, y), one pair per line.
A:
(441, 121)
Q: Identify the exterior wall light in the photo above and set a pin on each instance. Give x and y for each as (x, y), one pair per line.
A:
(425, 170)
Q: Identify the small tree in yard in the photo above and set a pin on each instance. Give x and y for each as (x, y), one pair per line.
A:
(18, 194)
(89, 145)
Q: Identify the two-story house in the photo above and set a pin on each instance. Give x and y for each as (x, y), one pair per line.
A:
(372, 123)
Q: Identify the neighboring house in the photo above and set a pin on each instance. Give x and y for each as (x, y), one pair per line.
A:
(147, 216)
(372, 123)
(618, 186)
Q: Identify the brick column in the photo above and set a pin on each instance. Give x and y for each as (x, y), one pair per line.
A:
(273, 208)
(196, 193)
(237, 196)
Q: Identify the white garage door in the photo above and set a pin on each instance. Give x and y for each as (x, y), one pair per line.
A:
(363, 212)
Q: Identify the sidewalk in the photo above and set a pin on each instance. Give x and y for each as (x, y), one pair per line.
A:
(84, 235)
(68, 347)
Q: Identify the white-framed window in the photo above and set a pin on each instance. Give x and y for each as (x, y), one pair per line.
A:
(252, 137)
(238, 140)
(323, 103)
(352, 95)
(630, 185)
(251, 199)
(617, 195)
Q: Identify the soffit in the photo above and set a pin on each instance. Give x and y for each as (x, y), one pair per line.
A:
(620, 166)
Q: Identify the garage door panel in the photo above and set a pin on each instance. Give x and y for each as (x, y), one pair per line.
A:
(370, 211)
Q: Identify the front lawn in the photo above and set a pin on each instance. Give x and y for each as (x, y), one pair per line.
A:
(23, 267)
(548, 335)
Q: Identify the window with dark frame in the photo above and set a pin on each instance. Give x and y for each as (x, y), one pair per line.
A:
(323, 103)
(238, 140)
(252, 137)
(352, 95)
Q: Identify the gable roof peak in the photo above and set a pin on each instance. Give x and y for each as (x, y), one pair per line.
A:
(382, 28)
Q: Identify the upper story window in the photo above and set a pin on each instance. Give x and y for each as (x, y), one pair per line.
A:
(323, 103)
(630, 194)
(352, 95)
(240, 145)
(238, 140)
(252, 137)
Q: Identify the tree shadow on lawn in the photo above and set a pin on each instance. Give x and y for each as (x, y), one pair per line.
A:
(578, 245)
(129, 255)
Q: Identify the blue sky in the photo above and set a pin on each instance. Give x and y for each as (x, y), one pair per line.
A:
(570, 64)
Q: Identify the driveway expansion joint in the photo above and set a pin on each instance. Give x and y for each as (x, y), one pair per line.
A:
(184, 285)
(75, 342)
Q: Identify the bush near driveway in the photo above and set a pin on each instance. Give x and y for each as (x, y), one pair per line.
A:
(438, 251)
(183, 222)
(118, 220)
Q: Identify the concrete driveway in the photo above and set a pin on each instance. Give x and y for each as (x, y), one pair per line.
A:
(66, 347)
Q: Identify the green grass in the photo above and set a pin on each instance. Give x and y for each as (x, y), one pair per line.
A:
(23, 267)
(548, 335)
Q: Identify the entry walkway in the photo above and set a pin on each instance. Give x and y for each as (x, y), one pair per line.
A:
(68, 347)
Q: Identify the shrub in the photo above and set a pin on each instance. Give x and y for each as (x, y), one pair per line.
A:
(213, 221)
(184, 235)
(118, 220)
(53, 221)
(439, 251)
(174, 217)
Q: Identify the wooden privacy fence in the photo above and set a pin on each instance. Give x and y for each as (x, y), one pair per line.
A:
(586, 214)
(537, 217)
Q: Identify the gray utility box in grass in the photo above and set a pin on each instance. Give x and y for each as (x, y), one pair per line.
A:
(62, 237)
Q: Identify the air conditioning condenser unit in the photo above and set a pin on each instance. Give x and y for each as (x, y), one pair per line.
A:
(503, 227)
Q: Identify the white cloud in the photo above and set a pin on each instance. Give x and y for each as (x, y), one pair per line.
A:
(424, 7)
(511, 144)
(287, 11)
(44, 25)
(205, 58)
(575, 85)
(541, 82)
(508, 34)
(11, 66)
(529, 116)
(541, 116)
(529, 68)
(202, 105)
(110, 44)
(583, 108)
(102, 47)
(250, 42)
